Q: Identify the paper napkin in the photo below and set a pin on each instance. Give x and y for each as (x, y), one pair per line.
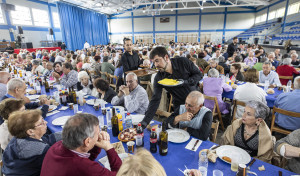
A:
(63, 108)
(52, 113)
(191, 144)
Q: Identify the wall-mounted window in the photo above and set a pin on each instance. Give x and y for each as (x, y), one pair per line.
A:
(294, 8)
(263, 17)
(280, 12)
(1, 17)
(40, 17)
(21, 16)
(272, 15)
(56, 20)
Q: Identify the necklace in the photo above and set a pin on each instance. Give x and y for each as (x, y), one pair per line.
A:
(249, 134)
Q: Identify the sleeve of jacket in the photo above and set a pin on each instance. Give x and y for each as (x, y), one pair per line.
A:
(203, 132)
(194, 73)
(124, 63)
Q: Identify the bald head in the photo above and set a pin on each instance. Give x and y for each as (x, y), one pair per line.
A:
(4, 77)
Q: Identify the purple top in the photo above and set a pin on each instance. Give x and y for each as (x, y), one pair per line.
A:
(214, 87)
(250, 62)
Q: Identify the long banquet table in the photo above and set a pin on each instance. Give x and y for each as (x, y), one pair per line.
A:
(178, 156)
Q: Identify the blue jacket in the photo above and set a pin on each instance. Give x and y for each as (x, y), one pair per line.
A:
(25, 156)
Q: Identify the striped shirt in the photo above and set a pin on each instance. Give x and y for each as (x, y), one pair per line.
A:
(82, 155)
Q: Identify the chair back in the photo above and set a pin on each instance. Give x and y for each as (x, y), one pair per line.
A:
(216, 110)
(235, 104)
(278, 129)
(1, 164)
(215, 127)
(111, 81)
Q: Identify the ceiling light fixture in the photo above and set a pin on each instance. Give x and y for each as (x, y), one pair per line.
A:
(204, 0)
(167, 2)
(201, 7)
(144, 10)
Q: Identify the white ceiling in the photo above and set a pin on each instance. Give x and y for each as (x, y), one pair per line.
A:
(146, 6)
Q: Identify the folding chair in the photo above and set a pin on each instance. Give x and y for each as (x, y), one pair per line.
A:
(216, 110)
(235, 104)
(215, 126)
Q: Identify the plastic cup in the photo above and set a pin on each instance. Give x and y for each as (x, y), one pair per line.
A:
(75, 108)
(217, 173)
(101, 120)
(234, 164)
(130, 147)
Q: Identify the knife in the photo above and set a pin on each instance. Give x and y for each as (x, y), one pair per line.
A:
(253, 160)
(195, 144)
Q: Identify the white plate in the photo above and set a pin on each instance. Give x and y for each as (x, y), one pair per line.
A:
(52, 108)
(233, 152)
(137, 118)
(105, 161)
(92, 101)
(180, 81)
(33, 97)
(178, 135)
(60, 120)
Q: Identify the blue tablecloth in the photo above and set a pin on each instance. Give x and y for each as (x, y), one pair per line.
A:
(270, 97)
(177, 155)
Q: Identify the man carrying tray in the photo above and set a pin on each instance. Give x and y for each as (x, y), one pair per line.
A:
(176, 68)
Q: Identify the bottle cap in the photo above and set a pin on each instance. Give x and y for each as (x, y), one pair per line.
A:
(139, 124)
(153, 129)
(128, 113)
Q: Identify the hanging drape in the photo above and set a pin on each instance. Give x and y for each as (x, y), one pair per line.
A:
(79, 25)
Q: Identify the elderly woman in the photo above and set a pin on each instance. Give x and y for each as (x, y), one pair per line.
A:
(37, 68)
(249, 91)
(8, 106)
(84, 83)
(251, 133)
(25, 153)
(295, 60)
(28, 64)
(214, 86)
(235, 73)
(105, 92)
(214, 64)
(58, 71)
(286, 70)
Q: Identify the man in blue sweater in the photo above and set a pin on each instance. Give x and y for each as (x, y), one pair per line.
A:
(16, 88)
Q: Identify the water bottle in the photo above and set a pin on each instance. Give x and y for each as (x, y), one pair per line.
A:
(108, 119)
(266, 85)
(288, 86)
(128, 121)
(203, 164)
(227, 78)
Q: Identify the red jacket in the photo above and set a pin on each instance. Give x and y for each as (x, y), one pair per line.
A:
(60, 161)
(286, 70)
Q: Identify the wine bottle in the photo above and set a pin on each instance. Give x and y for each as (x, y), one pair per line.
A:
(163, 140)
(114, 122)
(47, 87)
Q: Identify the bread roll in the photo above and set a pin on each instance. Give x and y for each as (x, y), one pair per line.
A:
(32, 92)
(270, 91)
(234, 86)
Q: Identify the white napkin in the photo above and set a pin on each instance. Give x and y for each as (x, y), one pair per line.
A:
(52, 113)
(191, 144)
(63, 108)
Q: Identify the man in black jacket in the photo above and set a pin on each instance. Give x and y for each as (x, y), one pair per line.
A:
(130, 59)
(63, 46)
(175, 68)
(232, 47)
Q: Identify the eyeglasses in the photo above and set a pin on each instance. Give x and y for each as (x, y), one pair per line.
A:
(129, 82)
(43, 123)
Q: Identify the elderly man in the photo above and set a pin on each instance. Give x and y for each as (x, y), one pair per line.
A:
(133, 96)
(214, 63)
(37, 68)
(267, 75)
(289, 101)
(272, 59)
(70, 77)
(286, 70)
(175, 68)
(251, 59)
(16, 88)
(4, 78)
(49, 69)
(278, 56)
(217, 54)
(81, 143)
(289, 147)
(193, 117)
(60, 58)
(295, 60)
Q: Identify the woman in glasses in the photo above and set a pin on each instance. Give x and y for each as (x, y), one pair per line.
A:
(25, 153)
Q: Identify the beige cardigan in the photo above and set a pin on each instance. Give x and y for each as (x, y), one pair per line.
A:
(265, 144)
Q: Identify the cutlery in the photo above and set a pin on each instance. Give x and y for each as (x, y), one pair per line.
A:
(180, 170)
(215, 147)
(195, 144)
(253, 160)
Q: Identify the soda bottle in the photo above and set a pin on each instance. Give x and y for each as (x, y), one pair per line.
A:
(153, 141)
(139, 136)
(163, 140)
(47, 87)
(120, 121)
(108, 119)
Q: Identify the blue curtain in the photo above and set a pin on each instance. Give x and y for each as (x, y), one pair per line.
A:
(79, 25)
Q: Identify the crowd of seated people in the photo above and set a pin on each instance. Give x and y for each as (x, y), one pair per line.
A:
(30, 148)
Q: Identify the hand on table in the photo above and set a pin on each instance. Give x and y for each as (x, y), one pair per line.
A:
(272, 86)
(104, 141)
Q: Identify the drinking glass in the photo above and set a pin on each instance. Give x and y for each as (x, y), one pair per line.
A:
(75, 108)
(234, 164)
(217, 173)
(101, 120)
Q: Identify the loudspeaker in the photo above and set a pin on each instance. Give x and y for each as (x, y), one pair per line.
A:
(26, 45)
(59, 44)
(240, 40)
(256, 41)
(50, 31)
(20, 30)
(55, 44)
(279, 20)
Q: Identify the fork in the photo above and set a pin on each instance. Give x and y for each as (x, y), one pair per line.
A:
(253, 160)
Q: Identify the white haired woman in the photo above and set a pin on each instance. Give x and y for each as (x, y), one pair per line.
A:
(214, 63)
(251, 133)
(84, 83)
(286, 70)
(214, 86)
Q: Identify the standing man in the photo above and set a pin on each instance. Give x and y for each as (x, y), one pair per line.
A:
(232, 47)
(63, 46)
(175, 68)
(130, 59)
(86, 45)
